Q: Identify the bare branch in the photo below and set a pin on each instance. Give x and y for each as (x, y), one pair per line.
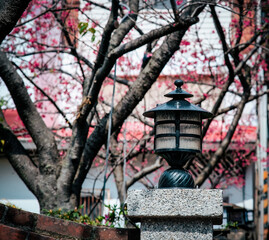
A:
(145, 171)
(229, 66)
(69, 41)
(109, 28)
(224, 144)
(234, 106)
(45, 94)
(17, 155)
(41, 14)
(108, 63)
(174, 7)
(146, 78)
(41, 135)
(149, 37)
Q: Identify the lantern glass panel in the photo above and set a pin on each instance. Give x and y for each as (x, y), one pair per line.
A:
(164, 115)
(165, 142)
(190, 116)
(190, 128)
(165, 128)
(189, 143)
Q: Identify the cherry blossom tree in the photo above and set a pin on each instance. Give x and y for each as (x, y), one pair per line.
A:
(58, 65)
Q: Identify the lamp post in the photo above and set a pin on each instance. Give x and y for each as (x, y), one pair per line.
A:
(177, 139)
(175, 210)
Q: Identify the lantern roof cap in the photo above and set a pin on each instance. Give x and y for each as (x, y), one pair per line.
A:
(179, 93)
(178, 103)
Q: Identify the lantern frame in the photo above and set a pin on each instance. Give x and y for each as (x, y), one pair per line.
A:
(176, 112)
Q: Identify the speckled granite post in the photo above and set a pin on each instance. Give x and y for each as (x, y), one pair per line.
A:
(175, 214)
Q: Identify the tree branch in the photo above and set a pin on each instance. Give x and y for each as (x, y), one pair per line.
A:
(81, 126)
(10, 12)
(106, 36)
(229, 66)
(224, 144)
(145, 171)
(146, 78)
(69, 41)
(45, 94)
(36, 127)
(149, 37)
(17, 156)
(234, 106)
(108, 63)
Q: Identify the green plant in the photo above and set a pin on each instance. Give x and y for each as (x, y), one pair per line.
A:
(113, 218)
(72, 215)
(230, 225)
(115, 215)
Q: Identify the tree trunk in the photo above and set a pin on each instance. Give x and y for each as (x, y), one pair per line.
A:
(119, 178)
(54, 202)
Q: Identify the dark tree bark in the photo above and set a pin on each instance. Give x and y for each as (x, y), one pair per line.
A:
(10, 13)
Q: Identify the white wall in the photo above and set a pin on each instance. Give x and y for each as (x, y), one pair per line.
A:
(13, 190)
(110, 184)
(242, 196)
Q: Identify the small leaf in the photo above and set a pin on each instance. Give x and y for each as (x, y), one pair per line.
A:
(93, 38)
(82, 27)
(92, 30)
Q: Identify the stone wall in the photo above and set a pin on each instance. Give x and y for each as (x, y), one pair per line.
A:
(17, 224)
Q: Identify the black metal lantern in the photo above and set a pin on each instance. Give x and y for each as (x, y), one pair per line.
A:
(177, 135)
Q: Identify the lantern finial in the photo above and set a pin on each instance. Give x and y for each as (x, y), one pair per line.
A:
(179, 83)
(179, 93)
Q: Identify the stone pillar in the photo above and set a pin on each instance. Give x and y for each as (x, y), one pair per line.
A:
(175, 214)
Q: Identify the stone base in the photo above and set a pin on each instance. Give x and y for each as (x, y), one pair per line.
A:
(175, 214)
(179, 229)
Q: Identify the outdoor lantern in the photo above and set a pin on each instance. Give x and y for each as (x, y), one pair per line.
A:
(177, 126)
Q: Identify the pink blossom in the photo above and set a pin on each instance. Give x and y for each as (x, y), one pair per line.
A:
(185, 43)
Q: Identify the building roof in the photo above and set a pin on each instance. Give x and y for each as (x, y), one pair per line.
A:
(135, 130)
